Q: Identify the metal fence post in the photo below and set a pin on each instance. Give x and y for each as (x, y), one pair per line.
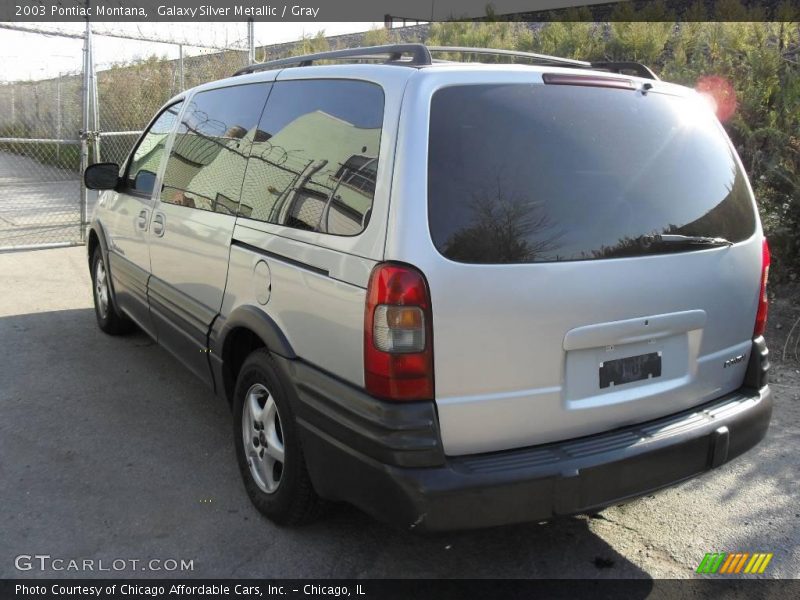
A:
(58, 117)
(251, 42)
(180, 66)
(85, 129)
(95, 107)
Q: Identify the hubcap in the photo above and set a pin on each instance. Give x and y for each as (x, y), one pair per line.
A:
(101, 288)
(263, 438)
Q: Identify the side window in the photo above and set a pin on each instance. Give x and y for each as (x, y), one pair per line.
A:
(148, 154)
(208, 158)
(315, 156)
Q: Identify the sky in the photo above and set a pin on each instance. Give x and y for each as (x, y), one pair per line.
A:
(33, 56)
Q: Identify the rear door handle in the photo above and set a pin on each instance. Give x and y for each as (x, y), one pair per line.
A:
(141, 221)
(159, 224)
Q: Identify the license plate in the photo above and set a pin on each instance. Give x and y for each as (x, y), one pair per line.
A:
(630, 369)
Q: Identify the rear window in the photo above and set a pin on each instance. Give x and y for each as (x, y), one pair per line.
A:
(537, 173)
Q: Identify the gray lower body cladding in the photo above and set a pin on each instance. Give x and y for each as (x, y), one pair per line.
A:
(387, 459)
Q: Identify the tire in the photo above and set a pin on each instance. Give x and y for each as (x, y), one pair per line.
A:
(108, 319)
(268, 448)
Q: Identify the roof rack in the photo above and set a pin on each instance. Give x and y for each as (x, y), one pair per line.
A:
(419, 55)
(391, 53)
(539, 58)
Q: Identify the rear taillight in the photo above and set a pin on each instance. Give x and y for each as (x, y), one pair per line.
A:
(763, 303)
(398, 338)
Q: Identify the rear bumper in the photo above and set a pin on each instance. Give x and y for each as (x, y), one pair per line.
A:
(387, 458)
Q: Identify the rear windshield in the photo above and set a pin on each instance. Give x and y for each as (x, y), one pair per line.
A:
(536, 173)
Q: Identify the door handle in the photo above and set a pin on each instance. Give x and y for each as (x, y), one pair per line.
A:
(159, 224)
(141, 221)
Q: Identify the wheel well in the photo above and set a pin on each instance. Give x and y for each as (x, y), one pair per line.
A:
(92, 243)
(239, 344)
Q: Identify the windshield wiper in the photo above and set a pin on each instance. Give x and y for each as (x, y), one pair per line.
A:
(671, 239)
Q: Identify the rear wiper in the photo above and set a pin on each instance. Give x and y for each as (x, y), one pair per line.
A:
(670, 239)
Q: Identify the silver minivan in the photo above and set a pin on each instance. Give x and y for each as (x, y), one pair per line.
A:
(452, 294)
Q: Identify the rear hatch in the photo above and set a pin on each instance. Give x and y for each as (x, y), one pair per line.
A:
(597, 259)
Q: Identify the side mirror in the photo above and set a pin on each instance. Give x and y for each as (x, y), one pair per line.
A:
(101, 176)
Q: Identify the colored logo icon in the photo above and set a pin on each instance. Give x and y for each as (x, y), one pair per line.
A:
(734, 563)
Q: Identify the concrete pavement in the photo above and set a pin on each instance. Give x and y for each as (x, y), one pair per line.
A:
(110, 449)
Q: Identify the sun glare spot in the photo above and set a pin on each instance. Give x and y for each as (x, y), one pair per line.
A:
(719, 91)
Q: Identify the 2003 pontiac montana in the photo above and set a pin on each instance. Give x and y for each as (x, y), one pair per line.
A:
(452, 294)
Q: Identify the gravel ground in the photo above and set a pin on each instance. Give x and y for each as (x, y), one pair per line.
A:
(110, 449)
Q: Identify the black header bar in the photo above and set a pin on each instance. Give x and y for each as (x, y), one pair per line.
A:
(391, 11)
(391, 589)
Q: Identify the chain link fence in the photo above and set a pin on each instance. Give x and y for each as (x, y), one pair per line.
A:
(40, 151)
(55, 124)
(130, 95)
(52, 126)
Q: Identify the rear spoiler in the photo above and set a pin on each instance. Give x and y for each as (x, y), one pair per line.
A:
(626, 68)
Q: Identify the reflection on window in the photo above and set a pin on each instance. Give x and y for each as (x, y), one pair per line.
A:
(208, 158)
(523, 173)
(147, 157)
(314, 157)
